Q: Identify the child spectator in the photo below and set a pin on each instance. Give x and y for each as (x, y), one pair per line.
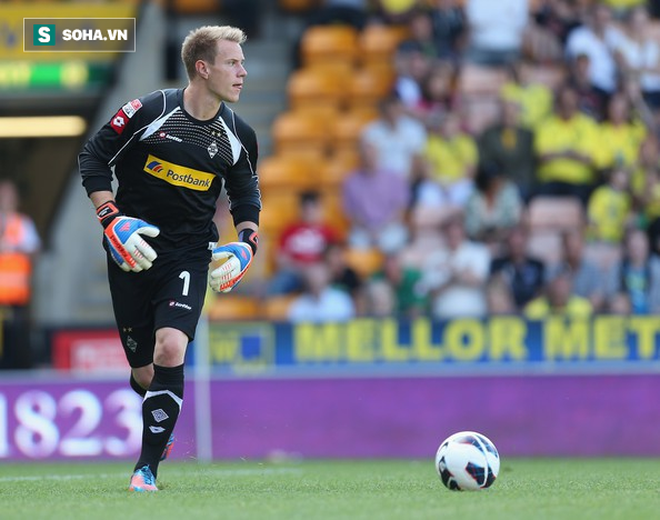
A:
(301, 244)
(559, 299)
(609, 208)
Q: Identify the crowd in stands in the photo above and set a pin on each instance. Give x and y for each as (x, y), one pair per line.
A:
(514, 167)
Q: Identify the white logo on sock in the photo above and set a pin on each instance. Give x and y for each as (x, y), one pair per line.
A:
(156, 429)
(160, 415)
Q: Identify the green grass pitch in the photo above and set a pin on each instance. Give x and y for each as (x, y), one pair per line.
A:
(532, 489)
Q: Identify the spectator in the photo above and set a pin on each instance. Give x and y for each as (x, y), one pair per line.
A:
(621, 134)
(421, 38)
(398, 139)
(597, 39)
(437, 90)
(637, 274)
(510, 145)
(591, 100)
(567, 145)
(412, 66)
(609, 208)
(403, 281)
(587, 277)
(496, 30)
(320, 302)
(621, 8)
(523, 275)
(639, 55)
(19, 243)
(559, 298)
(493, 208)
(448, 28)
(396, 12)
(301, 244)
(455, 275)
(533, 98)
(559, 17)
(451, 157)
(374, 201)
(343, 276)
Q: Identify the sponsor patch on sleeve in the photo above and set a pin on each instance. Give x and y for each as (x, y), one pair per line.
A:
(118, 121)
(131, 107)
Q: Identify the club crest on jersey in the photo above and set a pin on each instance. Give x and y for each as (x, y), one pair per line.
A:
(178, 175)
(212, 149)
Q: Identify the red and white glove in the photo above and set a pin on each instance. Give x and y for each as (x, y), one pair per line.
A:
(123, 236)
(232, 261)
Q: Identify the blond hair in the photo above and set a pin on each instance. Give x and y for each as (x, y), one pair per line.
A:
(201, 44)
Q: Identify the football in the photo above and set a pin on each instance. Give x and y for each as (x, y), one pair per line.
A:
(467, 461)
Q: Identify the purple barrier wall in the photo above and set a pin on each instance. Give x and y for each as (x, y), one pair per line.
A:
(378, 417)
(77, 419)
(584, 415)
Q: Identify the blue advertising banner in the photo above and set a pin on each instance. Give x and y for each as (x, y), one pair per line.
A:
(423, 346)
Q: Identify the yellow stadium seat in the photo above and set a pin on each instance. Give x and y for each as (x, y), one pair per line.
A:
(364, 261)
(368, 87)
(279, 209)
(378, 42)
(329, 43)
(276, 308)
(300, 133)
(287, 171)
(315, 87)
(230, 307)
(347, 129)
(337, 167)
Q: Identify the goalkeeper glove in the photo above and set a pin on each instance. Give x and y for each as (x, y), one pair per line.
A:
(122, 234)
(233, 260)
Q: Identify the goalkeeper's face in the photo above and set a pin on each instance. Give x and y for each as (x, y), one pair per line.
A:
(226, 73)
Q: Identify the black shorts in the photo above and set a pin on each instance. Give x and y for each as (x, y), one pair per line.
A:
(170, 294)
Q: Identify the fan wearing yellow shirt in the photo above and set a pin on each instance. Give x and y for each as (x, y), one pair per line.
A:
(534, 99)
(621, 135)
(609, 208)
(567, 146)
(559, 300)
(451, 157)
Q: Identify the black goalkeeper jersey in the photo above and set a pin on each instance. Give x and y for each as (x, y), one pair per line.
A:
(171, 167)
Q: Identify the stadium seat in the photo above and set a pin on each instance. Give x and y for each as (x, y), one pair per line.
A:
(546, 245)
(329, 43)
(333, 211)
(365, 262)
(555, 213)
(367, 87)
(346, 131)
(552, 76)
(300, 133)
(279, 209)
(603, 255)
(479, 112)
(287, 172)
(276, 308)
(378, 42)
(230, 307)
(338, 166)
(479, 80)
(315, 86)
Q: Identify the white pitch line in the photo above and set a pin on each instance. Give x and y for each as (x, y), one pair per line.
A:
(213, 472)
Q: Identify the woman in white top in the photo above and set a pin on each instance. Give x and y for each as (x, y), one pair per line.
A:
(639, 55)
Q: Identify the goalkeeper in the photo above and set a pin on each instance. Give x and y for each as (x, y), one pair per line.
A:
(172, 150)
